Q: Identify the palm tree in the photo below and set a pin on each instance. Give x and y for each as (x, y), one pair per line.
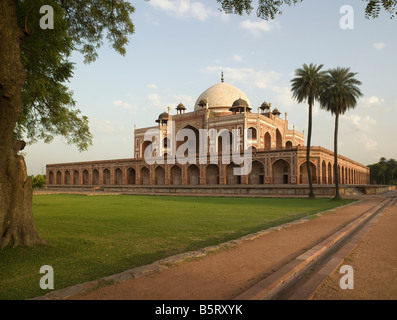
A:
(306, 86)
(340, 94)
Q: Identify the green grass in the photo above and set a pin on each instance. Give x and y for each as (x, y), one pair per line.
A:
(90, 237)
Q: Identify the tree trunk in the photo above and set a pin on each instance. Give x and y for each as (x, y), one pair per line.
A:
(17, 226)
(337, 196)
(309, 138)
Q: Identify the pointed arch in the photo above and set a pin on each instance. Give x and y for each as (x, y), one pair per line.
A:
(279, 139)
(95, 177)
(118, 176)
(131, 176)
(268, 141)
(86, 177)
(303, 173)
(145, 176)
(231, 177)
(176, 175)
(324, 172)
(330, 175)
(212, 174)
(159, 176)
(66, 179)
(51, 177)
(193, 175)
(106, 177)
(195, 143)
(281, 171)
(59, 177)
(76, 177)
(256, 175)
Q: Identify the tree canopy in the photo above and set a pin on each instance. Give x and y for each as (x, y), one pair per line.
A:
(48, 107)
(384, 171)
(268, 9)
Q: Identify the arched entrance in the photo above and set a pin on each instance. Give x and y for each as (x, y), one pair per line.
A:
(76, 177)
(268, 141)
(231, 177)
(67, 177)
(257, 173)
(86, 177)
(51, 177)
(279, 139)
(145, 176)
(225, 141)
(106, 177)
(303, 173)
(176, 175)
(324, 172)
(281, 170)
(59, 177)
(95, 177)
(159, 176)
(131, 176)
(330, 176)
(212, 174)
(254, 135)
(190, 143)
(118, 177)
(144, 146)
(193, 175)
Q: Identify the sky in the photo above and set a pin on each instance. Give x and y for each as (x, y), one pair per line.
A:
(180, 48)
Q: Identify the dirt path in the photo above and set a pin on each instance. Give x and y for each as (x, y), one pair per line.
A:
(227, 273)
(374, 263)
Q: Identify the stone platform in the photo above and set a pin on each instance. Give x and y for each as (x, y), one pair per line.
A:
(228, 190)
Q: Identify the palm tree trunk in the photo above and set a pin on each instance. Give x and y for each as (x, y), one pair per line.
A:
(336, 173)
(309, 137)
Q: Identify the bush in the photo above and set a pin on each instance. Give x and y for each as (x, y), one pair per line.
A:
(38, 181)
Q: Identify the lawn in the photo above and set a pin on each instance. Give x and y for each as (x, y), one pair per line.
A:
(90, 237)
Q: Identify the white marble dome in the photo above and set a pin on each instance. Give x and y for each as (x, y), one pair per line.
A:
(220, 97)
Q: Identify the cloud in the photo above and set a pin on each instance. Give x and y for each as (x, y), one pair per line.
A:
(185, 99)
(283, 96)
(151, 86)
(257, 28)
(126, 105)
(370, 144)
(248, 76)
(379, 45)
(237, 58)
(360, 123)
(262, 79)
(373, 101)
(155, 100)
(107, 127)
(183, 9)
(362, 130)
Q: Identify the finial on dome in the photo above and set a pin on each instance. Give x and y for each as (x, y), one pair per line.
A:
(222, 77)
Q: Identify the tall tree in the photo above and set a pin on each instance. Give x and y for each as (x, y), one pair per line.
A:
(340, 93)
(392, 165)
(306, 87)
(35, 102)
(383, 168)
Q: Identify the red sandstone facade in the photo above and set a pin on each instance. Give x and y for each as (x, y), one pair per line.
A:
(277, 166)
(278, 152)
